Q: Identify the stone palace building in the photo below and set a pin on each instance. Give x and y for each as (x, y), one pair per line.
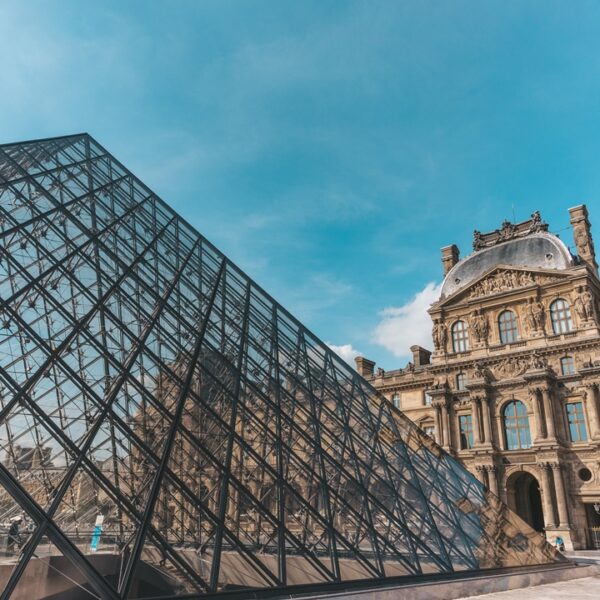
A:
(512, 386)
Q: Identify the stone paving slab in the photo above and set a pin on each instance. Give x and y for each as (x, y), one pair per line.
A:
(575, 589)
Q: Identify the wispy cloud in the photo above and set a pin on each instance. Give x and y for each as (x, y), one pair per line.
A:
(346, 351)
(401, 327)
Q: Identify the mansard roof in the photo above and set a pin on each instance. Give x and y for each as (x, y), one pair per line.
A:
(539, 250)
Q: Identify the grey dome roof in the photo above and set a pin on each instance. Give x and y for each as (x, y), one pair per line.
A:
(539, 251)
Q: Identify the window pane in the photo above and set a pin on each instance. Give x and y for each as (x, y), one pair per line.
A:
(516, 426)
(460, 337)
(567, 365)
(466, 431)
(576, 420)
(560, 315)
(507, 326)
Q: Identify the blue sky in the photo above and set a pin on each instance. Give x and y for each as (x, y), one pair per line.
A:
(329, 148)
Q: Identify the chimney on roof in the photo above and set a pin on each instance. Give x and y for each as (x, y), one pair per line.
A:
(450, 256)
(421, 356)
(364, 366)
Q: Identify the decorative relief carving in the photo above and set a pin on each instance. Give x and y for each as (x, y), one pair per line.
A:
(481, 372)
(508, 280)
(511, 366)
(583, 241)
(537, 362)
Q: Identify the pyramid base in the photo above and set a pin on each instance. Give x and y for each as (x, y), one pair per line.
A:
(465, 585)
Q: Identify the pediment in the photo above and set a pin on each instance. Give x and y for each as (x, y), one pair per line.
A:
(500, 279)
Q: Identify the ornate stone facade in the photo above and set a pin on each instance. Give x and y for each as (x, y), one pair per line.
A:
(513, 384)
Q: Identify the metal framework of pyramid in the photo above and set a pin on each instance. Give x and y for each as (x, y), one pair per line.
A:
(167, 429)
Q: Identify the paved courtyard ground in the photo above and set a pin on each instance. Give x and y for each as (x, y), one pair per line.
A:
(576, 589)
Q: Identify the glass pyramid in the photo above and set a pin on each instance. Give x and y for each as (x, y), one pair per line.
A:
(167, 429)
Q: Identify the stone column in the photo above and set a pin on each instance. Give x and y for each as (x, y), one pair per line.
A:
(445, 427)
(561, 496)
(537, 413)
(493, 479)
(547, 496)
(591, 405)
(475, 418)
(487, 423)
(548, 409)
(439, 435)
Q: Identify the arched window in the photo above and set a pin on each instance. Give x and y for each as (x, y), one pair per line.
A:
(560, 315)
(460, 337)
(507, 326)
(516, 426)
(461, 381)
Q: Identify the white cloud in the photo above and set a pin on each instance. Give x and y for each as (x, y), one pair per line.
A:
(403, 326)
(346, 352)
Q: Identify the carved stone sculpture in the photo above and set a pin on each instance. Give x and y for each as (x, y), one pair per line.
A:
(579, 306)
(512, 366)
(479, 326)
(582, 240)
(537, 361)
(584, 304)
(506, 280)
(440, 335)
(536, 222)
(539, 315)
(529, 316)
(478, 242)
(507, 231)
(588, 304)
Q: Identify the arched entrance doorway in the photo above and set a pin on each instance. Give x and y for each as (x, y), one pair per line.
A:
(523, 491)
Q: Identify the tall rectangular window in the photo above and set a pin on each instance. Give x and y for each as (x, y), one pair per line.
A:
(567, 365)
(576, 422)
(465, 423)
(427, 399)
(461, 381)
(396, 400)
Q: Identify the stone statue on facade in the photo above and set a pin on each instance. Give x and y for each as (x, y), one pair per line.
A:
(440, 335)
(539, 315)
(579, 306)
(478, 242)
(537, 362)
(588, 304)
(481, 372)
(479, 326)
(529, 316)
(506, 231)
(536, 222)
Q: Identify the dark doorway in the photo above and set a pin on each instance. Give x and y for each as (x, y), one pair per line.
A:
(593, 522)
(525, 499)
